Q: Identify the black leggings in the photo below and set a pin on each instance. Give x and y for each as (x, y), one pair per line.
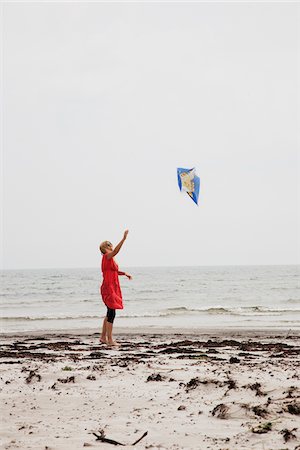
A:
(111, 314)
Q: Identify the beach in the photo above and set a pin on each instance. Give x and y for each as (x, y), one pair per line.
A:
(149, 175)
(197, 389)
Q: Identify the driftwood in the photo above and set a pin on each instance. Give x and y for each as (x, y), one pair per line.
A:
(145, 434)
(101, 437)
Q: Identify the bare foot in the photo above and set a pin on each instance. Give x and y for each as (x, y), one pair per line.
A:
(113, 343)
(103, 341)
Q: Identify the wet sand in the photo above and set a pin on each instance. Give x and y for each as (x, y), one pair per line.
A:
(235, 389)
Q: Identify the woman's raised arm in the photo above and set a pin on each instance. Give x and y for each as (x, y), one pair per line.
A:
(118, 246)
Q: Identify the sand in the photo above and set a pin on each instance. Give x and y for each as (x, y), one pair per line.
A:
(236, 389)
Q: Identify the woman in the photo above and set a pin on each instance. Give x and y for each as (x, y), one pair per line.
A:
(110, 288)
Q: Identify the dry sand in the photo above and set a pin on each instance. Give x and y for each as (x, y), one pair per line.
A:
(202, 390)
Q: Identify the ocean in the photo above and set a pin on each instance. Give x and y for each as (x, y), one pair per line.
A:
(172, 297)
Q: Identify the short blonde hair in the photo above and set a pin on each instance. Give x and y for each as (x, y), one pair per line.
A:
(103, 246)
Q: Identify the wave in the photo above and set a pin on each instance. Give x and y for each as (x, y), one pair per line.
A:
(285, 288)
(150, 291)
(169, 312)
(293, 300)
(26, 318)
(234, 310)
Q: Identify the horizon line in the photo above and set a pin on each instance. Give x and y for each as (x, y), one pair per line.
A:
(152, 267)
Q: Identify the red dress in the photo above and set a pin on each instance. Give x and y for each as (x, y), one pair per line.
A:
(110, 288)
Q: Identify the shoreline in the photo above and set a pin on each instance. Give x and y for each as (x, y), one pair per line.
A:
(140, 331)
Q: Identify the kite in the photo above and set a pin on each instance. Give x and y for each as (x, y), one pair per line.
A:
(189, 182)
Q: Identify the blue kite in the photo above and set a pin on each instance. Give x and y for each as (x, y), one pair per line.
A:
(189, 182)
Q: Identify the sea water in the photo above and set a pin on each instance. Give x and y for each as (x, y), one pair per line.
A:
(172, 297)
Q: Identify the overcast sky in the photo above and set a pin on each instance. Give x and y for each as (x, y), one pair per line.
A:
(103, 101)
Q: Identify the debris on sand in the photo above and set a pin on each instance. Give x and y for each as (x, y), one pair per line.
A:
(231, 384)
(262, 428)
(195, 382)
(294, 408)
(220, 411)
(32, 375)
(91, 377)
(192, 384)
(291, 390)
(288, 434)
(101, 437)
(67, 380)
(96, 355)
(259, 411)
(257, 388)
(155, 377)
(234, 360)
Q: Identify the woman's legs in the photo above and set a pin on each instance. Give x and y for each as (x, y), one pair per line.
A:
(104, 331)
(110, 317)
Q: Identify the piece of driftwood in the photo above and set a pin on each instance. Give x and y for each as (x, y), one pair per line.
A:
(145, 434)
(101, 437)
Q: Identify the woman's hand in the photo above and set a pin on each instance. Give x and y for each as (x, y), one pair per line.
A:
(125, 234)
(128, 276)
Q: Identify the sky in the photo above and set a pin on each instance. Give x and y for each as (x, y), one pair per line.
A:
(101, 102)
